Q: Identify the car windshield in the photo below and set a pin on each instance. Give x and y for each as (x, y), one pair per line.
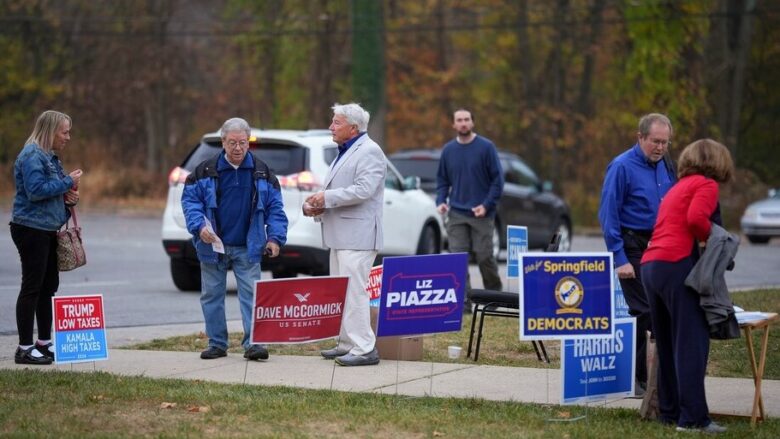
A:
(424, 168)
(282, 159)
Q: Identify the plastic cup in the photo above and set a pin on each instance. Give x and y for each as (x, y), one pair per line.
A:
(454, 352)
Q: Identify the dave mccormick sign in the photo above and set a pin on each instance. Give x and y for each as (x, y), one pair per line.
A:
(79, 329)
(298, 310)
(565, 295)
(422, 294)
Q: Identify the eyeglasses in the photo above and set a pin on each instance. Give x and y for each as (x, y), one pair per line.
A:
(241, 143)
(661, 142)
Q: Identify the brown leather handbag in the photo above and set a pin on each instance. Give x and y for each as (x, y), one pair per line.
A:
(70, 248)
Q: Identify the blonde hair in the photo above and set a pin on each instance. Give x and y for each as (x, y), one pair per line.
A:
(46, 128)
(708, 158)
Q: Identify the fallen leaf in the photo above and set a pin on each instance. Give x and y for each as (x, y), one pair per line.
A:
(564, 415)
(167, 405)
(198, 408)
(437, 434)
(97, 397)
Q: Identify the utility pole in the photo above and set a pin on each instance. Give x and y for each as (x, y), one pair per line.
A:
(368, 63)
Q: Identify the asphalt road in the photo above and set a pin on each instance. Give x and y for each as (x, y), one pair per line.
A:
(127, 265)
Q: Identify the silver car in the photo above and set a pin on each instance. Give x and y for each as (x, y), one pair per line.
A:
(761, 220)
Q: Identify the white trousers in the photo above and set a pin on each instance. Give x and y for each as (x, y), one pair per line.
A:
(356, 335)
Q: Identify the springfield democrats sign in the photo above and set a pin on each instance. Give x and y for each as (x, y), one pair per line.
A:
(298, 310)
(422, 294)
(79, 329)
(565, 295)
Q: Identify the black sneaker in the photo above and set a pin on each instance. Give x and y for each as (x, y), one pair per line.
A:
(256, 352)
(25, 356)
(46, 350)
(213, 352)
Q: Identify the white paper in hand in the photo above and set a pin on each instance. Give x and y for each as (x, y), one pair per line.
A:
(217, 245)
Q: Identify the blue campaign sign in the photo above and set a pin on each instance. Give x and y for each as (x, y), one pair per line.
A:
(565, 295)
(516, 243)
(422, 294)
(596, 369)
(621, 307)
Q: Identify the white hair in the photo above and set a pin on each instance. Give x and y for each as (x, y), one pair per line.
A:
(354, 114)
(235, 124)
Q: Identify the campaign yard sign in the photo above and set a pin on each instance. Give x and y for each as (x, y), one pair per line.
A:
(565, 295)
(516, 243)
(79, 329)
(621, 307)
(298, 310)
(599, 368)
(422, 294)
(374, 286)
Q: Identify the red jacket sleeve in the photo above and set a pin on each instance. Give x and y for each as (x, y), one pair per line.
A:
(703, 203)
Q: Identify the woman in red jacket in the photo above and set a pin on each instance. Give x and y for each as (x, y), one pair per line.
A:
(679, 324)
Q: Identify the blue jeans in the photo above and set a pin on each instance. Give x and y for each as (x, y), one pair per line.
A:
(212, 299)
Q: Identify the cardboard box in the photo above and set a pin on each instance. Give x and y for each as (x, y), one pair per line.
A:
(397, 348)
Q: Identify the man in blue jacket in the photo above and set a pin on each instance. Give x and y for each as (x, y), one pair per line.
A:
(233, 207)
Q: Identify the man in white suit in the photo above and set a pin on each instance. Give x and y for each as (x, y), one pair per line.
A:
(350, 211)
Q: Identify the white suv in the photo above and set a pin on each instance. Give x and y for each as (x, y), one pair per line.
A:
(301, 159)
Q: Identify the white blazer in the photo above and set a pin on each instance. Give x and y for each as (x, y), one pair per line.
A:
(354, 195)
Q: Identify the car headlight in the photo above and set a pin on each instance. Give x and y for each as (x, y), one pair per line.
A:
(751, 214)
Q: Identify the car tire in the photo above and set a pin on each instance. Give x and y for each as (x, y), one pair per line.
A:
(186, 277)
(564, 230)
(429, 242)
(755, 239)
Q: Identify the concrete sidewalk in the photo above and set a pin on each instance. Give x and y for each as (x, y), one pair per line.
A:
(413, 378)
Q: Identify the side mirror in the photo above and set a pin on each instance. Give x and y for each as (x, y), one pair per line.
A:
(411, 183)
(772, 193)
(547, 186)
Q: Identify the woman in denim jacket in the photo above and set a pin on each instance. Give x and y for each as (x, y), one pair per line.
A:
(42, 192)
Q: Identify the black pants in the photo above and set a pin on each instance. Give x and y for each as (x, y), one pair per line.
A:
(635, 245)
(682, 339)
(40, 280)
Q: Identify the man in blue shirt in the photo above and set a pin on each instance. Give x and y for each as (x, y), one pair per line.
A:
(634, 185)
(469, 184)
(233, 207)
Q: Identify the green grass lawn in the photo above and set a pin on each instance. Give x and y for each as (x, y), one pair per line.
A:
(500, 344)
(96, 404)
(72, 404)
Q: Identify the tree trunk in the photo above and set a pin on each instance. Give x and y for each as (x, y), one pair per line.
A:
(741, 52)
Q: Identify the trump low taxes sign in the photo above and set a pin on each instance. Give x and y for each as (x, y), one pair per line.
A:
(79, 329)
(298, 310)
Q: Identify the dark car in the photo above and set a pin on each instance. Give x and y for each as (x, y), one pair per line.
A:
(526, 200)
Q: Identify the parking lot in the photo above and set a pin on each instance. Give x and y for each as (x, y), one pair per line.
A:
(127, 264)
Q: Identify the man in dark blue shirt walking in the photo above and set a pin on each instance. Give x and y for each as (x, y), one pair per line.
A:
(634, 185)
(469, 185)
